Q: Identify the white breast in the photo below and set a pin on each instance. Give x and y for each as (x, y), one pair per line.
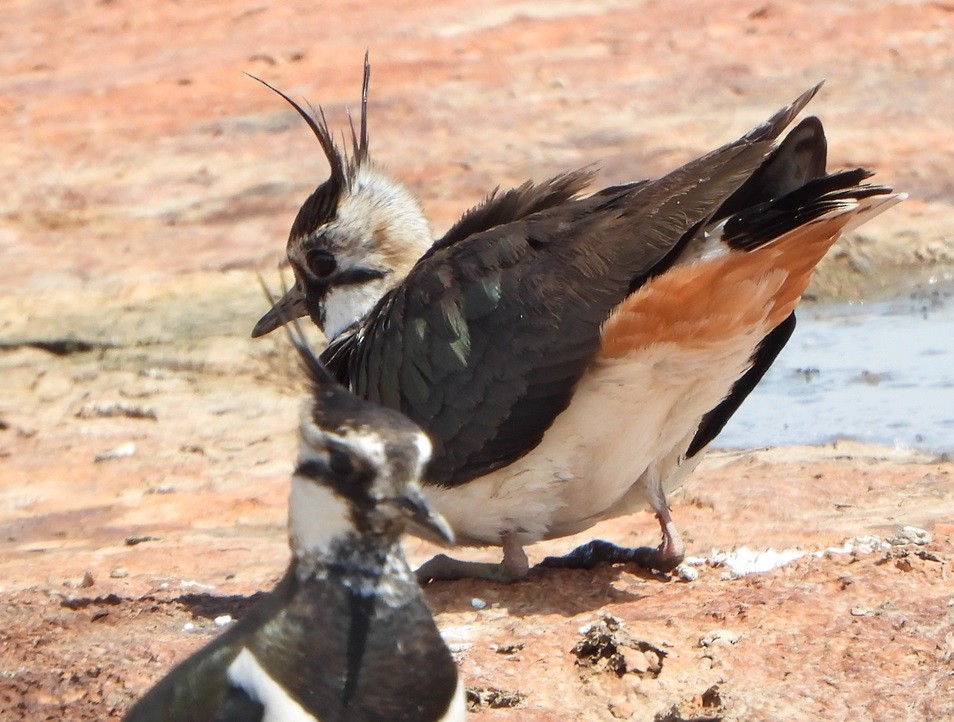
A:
(626, 414)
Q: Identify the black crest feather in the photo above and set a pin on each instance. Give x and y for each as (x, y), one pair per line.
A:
(359, 143)
(319, 126)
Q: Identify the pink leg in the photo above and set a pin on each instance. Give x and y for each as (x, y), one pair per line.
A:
(670, 553)
(515, 558)
(513, 568)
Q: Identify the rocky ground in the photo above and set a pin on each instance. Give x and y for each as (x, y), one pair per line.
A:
(145, 440)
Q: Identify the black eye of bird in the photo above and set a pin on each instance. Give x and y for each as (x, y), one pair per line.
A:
(321, 262)
(339, 463)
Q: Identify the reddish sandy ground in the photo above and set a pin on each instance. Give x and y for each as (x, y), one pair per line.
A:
(144, 181)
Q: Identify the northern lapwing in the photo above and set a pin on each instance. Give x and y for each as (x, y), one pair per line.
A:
(346, 634)
(570, 356)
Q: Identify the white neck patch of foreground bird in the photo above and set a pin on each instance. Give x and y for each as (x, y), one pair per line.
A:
(571, 357)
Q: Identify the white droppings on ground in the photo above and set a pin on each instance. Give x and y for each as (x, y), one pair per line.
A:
(687, 573)
(744, 561)
(719, 636)
(118, 452)
(190, 584)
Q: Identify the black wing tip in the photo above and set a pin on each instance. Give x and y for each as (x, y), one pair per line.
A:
(773, 127)
(753, 227)
(813, 122)
(808, 132)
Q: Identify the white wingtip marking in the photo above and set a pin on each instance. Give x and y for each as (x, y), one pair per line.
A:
(246, 673)
(868, 208)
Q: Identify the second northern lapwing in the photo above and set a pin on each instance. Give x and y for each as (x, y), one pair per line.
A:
(570, 357)
(346, 635)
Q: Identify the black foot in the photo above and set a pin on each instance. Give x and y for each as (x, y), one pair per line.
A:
(598, 551)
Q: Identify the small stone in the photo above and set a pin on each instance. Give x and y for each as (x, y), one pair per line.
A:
(478, 604)
(511, 648)
(107, 410)
(635, 660)
(119, 573)
(223, 620)
(866, 544)
(154, 373)
(87, 581)
(493, 698)
(188, 627)
(904, 564)
(119, 452)
(860, 611)
(622, 709)
(165, 489)
(911, 535)
(687, 573)
(711, 697)
(719, 636)
(132, 541)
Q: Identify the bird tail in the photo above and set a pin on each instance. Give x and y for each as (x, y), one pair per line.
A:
(826, 198)
(758, 280)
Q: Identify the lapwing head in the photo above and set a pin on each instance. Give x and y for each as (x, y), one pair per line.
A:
(358, 472)
(353, 239)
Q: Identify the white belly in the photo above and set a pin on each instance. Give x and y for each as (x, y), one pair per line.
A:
(627, 414)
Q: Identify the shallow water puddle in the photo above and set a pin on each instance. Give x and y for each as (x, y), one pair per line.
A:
(880, 373)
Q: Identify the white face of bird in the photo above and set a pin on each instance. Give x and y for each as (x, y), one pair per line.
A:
(353, 239)
(358, 474)
(346, 263)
